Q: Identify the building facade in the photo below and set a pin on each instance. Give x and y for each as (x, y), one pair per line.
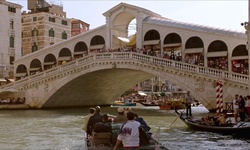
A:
(10, 37)
(43, 26)
(78, 26)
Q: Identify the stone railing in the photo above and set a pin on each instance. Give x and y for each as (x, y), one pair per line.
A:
(131, 56)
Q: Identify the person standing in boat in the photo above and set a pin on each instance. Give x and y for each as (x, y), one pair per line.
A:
(188, 99)
(91, 112)
(242, 113)
(97, 117)
(236, 107)
(120, 117)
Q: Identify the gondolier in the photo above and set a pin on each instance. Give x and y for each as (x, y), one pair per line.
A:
(188, 104)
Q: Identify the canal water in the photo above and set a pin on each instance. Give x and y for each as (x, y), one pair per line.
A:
(60, 129)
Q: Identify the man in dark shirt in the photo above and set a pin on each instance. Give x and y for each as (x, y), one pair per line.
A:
(104, 126)
(97, 117)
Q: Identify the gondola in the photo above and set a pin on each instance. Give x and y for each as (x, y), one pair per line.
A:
(106, 141)
(241, 129)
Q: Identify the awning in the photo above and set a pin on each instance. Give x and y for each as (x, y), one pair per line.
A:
(20, 74)
(11, 90)
(239, 57)
(123, 39)
(34, 69)
(101, 46)
(64, 58)
(2, 80)
(48, 63)
(217, 54)
(80, 52)
(172, 45)
(142, 93)
(193, 50)
(151, 42)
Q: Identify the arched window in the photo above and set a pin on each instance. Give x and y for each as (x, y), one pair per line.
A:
(35, 32)
(11, 24)
(12, 41)
(64, 35)
(51, 32)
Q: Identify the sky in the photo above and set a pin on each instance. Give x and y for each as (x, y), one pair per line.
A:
(225, 14)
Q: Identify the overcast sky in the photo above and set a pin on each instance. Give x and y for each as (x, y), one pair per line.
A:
(226, 14)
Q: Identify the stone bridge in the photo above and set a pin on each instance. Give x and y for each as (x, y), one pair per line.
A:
(99, 78)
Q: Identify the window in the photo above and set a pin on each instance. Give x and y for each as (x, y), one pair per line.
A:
(64, 35)
(11, 9)
(51, 19)
(75, 25)
(51, 33)
(34, 18)
(64, 22)
(35, 32)
(12, 40)
(34, 47)
(11, 24)
(12, 59)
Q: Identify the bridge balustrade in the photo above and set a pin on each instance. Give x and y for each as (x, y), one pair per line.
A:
(151, 60)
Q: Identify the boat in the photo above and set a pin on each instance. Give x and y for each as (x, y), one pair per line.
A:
(171, 104)
(121, 103)
(106, 141)
(241, 128)
(149, 104)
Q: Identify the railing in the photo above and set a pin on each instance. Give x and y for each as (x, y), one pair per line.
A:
(131, 56)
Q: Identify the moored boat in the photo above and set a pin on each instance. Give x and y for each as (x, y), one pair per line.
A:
(120, 103)
(241, 128)
(171, 104)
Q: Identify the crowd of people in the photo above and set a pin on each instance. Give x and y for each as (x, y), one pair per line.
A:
(134, 130)
(12, 100)
(241, 106)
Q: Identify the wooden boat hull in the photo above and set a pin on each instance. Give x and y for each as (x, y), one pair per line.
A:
(146, 104)
(239, 129)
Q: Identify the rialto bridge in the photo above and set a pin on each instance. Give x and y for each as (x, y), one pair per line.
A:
(84, 70)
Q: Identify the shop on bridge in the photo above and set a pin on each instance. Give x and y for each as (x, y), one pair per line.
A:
(153, 47)
(217, 60)
(194, 56)
(172, 51)
(240, 60)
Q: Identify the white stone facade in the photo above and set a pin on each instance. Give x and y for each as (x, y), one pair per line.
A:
(10, 14)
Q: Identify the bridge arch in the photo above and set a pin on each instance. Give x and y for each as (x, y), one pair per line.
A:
(35, 66)
(97, 43)
(49, 61)
(239, 59)
(21, 71)
(80, 49)
(152, 35)
(64, 55)
(172, 38)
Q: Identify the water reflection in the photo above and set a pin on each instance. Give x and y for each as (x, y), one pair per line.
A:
(61, 129)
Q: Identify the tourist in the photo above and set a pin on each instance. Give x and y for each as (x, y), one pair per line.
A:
(247, 105)
(91, 112)
(104, 126)
(120, 117)
(142, 122)
(242, 113)
(129, 135)
(188, 104)
(236, 107)
(97, 117)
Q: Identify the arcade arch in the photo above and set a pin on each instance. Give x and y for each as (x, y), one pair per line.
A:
(97, 44)
(172, 46)
(49, 61)
(35, 66)
(152, 42)
(64, 56)
(239, 59)
(217, 55)
(80, 49)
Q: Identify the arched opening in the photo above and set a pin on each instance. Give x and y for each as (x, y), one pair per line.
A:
(80, 49)
(49, 61)
(172, 47)
(35, 66)
(240, 59)
(21, 72)
(193, 52)
(64, 56)
(217, 55)
(152, 42)
(97, 44)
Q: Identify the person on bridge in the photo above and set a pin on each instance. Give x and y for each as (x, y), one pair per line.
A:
(188, 104)
(97, 117)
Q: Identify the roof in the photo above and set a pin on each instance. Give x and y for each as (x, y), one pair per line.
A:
(195, 27)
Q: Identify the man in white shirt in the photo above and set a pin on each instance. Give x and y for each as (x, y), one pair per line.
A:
(129, 135)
